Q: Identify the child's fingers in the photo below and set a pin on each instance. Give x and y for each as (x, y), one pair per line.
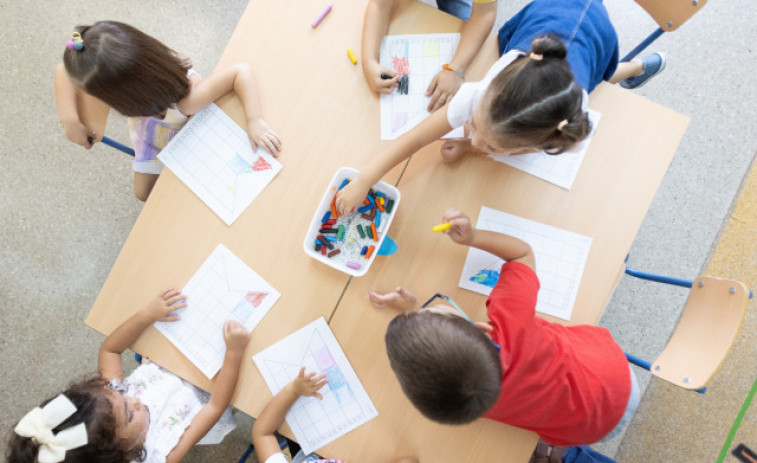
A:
(166, 292)
(318, 395)
(175, 298)
(432, 87)
(170, 318)
(301, 374)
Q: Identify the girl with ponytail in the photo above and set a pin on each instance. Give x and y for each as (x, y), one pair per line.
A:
(534, 98)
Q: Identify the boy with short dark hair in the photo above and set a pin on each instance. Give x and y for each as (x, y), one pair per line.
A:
(570, 384)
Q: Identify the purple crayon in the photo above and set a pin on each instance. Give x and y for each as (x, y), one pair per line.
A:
(322, 15)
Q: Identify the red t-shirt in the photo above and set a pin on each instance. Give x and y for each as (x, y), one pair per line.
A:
(569, 384)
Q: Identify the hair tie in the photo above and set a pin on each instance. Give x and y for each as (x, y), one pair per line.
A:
(537, 56)
(39, 423)
(562, 124)
(76, 43)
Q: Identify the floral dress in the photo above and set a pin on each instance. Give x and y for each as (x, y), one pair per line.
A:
(172, 403)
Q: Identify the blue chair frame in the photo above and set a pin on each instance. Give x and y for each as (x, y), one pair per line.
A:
(639, 362)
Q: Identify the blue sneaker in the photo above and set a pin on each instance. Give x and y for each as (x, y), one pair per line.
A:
(653, 64)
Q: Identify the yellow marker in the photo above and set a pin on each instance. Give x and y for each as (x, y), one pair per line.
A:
(352, 56)
(442, 227)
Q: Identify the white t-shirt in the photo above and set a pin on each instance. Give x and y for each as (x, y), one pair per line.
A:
(461, 106)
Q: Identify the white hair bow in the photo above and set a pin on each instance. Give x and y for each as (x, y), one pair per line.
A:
(39, 424)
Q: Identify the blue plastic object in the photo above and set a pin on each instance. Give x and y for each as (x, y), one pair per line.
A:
(388, 247)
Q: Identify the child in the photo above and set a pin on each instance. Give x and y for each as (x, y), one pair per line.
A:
(534, 98)
(145, 80)
(482, 14)
(263, 439)
(150, 415)
(570, 384)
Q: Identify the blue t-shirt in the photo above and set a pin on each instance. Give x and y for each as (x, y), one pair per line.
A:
(582, 25)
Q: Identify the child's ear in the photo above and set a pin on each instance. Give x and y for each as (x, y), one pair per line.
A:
(485, 327)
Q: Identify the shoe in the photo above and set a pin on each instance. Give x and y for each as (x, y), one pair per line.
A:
(652, 64)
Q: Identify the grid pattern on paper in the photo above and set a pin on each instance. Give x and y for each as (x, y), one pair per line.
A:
(422, 55)
(213, 297)
(212, 155)
(560, 259)
(558, 169)
(345, 404)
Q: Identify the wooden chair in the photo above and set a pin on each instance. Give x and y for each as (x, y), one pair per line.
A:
(669, 16)
(705, 333)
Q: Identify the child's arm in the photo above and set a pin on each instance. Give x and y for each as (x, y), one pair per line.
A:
(430, 129)
(159, 309)
(503, 246)
(65, 99)
(272, 416)
(241, 80)
(236, 336)
(472, 35)
(375, 27)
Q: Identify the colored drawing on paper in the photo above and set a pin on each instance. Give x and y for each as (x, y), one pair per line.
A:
(417, 58)
(345, 403)
(212, 155)
(223, 288)
(560, 259)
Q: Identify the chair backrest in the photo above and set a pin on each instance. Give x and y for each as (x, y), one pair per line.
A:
(708, 327)
(670, 14)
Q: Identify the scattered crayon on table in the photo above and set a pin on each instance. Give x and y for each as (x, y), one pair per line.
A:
(322, 15)
(351, 54)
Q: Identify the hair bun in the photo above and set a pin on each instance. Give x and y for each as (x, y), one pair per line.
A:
(548, 46)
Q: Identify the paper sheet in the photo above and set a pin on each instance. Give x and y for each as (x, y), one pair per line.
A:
(560, 169)
(345, 404)
(223, 288)
(560, 260)
(213, 156)
(420, 56)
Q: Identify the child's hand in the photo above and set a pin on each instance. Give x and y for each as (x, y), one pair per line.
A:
(351, 196)
(442, 88)
(308, 384)
(373, 70)
(160, 309)
(399, 299)
(235, 336)
(461, 231)
(79, 133)
(262, 135)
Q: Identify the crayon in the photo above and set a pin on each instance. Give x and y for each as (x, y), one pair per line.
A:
(354, 265)
(389, 206)
(340, 233)
(352, 56)
(360, 230)
(326, 217)
(327, 230)
(369, 252)
(333, 253)
(441, 227)
(365, 208)
(322, 15)
(344, 183)
(385, 76)
(364, 250)
(373, 230)
(378, 219)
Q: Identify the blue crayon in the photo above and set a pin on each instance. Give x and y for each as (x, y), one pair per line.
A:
(326, 216)
(364, 250)
(331, 238)
(378, 193)
(378, 219)
(365, 208)
(344, 183)
(370, 198)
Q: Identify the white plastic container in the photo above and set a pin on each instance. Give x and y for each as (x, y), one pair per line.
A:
(391, 193)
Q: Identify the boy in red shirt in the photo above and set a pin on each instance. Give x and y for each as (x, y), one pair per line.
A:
(572, 385)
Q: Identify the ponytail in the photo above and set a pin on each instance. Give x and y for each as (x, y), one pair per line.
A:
(534, 95)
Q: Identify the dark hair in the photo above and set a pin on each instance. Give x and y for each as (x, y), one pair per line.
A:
(446, 366)
(93, 408)
(529, 98)
(129, 70)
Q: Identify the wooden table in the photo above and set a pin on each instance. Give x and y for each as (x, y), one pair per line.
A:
(327, 117)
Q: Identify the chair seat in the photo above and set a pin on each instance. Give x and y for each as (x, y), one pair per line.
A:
(708, 327)
(671, 14)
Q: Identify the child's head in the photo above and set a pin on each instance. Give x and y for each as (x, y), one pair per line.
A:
(115, 427)
(534, 103)
(129, 70)
(447, 367)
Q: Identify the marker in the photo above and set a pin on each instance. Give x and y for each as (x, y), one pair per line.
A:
(322, 15)
(352, 56)
(441, 227)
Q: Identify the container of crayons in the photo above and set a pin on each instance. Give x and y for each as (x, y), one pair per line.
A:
(350, 242)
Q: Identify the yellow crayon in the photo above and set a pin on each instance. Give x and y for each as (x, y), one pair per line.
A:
(441, 227)
(352, 56)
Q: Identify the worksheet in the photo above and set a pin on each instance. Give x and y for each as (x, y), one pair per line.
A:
(223, 288)
(419, 57)
(345, 404)
(560, 260)
(213, 156)
(559, 169)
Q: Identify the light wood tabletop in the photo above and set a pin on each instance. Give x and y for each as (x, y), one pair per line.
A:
(319, 104)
